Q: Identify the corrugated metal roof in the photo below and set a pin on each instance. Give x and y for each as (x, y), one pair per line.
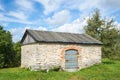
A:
(49, 36)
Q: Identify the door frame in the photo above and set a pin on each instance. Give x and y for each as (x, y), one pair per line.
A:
(74, 47)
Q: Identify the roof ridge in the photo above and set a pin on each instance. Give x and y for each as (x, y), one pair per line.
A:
(55, 31)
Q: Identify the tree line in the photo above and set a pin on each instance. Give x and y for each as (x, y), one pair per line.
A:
(104, 30)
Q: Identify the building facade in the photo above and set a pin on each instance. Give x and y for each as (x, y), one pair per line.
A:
(44, 50)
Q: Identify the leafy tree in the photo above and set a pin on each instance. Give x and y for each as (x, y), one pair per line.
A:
(17, 50)
(105, 31)
(116, 48)
(94, 24)
(6, 49)
(109, 38)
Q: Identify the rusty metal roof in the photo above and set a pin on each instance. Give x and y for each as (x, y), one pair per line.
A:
(49, 36)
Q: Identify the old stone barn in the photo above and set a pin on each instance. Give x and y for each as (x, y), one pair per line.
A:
(71, 52)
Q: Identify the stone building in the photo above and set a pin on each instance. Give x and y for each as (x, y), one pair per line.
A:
(46, 49)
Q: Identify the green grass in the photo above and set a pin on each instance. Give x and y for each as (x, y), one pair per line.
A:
(107, 70)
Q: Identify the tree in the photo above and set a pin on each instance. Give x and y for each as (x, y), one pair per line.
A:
(105, 31)
(116, 48)
(109, 35)
(94, 24)
(17, 50)
(6, 49)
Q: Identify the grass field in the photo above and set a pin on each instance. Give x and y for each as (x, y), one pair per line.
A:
(107, 70)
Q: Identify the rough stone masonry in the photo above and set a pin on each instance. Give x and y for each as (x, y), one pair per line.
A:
(71, 52)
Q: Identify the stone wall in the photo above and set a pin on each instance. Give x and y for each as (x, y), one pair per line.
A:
(44, 55)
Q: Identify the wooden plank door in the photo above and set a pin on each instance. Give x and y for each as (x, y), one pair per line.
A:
(71, 59)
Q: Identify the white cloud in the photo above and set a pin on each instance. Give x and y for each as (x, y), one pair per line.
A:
(75, 27)
(25, 4)
(41, 28)
(4, 24)
(107, 8)
(17, 33)
(110, 4)
(19, 15)
(50, 5)
(1, 15)
(88, 5)
(3, 18)
(71, 4)
(1, 7)
(55, 5)
(17, 30)
(118, 25)
(59, 18)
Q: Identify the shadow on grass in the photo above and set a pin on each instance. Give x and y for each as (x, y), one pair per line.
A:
(108, 62)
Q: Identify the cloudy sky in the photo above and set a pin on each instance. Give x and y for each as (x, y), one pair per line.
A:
(53, 15)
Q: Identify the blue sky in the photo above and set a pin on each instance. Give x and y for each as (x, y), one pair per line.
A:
(53, 15)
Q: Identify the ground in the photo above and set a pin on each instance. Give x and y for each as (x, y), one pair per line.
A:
(107, 70)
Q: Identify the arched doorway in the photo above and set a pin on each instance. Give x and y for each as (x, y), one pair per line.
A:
(71, 59)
